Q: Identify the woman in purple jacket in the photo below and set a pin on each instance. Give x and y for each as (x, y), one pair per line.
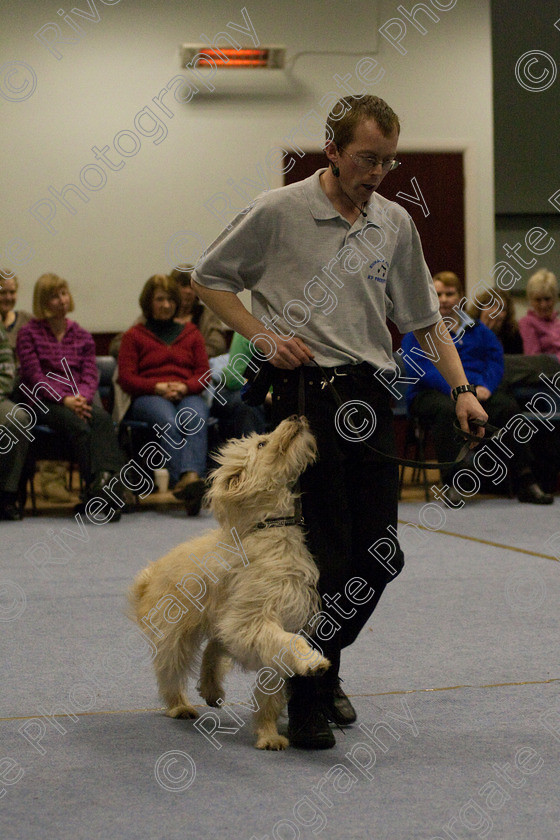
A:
(57, 362)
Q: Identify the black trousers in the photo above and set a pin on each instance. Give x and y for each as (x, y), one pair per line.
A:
(349, 497)
(93, 443)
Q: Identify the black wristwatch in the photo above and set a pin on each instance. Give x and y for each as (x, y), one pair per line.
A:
(463, 389)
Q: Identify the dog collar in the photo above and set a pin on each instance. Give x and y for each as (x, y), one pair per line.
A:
(280, 521)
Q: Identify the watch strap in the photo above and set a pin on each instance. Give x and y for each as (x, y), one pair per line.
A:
(463, 389)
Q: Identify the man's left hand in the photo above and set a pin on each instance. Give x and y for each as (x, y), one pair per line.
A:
(467, 409)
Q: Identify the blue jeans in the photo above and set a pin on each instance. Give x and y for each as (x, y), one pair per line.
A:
(181, 430)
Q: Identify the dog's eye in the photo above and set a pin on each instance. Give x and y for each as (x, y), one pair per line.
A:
(261, 443)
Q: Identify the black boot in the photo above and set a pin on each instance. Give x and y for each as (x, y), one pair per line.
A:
(100, 480)
(9, 509)
(308, 727)
(339, 709)
(530, 492)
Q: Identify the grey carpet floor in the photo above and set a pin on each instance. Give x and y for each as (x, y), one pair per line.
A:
(455, 680)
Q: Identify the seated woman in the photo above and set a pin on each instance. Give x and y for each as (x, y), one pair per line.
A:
(12, 320)
(52, 474)
(13, 444)
(191, 310)
(60, 354)
(540, 327)
(161, 364)
(496, 310)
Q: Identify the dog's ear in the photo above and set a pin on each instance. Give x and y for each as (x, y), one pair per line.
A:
(236, 480)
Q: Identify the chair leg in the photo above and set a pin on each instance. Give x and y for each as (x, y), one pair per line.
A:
(28, 480)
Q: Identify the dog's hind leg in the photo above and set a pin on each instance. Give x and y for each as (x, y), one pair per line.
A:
(171, 664)
(215, 665)
(270, 706)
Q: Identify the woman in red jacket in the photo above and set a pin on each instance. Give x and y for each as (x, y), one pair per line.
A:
(161, 367)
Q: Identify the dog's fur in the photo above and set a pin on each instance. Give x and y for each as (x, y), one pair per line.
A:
(253, 600)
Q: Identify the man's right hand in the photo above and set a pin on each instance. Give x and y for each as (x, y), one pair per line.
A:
(290, 353)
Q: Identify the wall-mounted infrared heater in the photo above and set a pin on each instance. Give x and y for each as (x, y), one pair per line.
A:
(228, 58)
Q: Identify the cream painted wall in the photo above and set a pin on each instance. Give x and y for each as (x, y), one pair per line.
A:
(206, 157)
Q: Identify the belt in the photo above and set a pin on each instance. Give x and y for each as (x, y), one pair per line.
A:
(327, 375)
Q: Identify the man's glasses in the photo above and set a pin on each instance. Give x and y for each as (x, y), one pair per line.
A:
(368, 162)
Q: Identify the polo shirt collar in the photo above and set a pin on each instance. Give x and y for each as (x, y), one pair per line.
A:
(321, 207)
(319, 204)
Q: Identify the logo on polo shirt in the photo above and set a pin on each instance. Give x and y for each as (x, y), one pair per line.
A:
(378, 270)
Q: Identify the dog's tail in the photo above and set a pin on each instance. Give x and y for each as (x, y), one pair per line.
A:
(137, 592)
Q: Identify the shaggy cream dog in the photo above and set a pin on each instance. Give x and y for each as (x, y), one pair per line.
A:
(248, 589)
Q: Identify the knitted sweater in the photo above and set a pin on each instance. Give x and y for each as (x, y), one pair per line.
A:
(40, 353)
(480, 352)
(145, 360)
(540, 336)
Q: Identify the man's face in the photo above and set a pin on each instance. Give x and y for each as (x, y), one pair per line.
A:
(370, 142)
(448, 297)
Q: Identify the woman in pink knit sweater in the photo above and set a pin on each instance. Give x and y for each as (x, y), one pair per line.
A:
(540, 327)
(57, 364)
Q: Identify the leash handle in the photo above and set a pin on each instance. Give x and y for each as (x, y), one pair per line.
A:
(472, 438)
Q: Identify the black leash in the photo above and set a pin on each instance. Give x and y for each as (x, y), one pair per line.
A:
(258, 385)
(405, 462)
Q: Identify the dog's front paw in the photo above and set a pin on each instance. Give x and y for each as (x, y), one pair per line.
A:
(184, 710)
(214, 699)
(211, 691)
(272, 742)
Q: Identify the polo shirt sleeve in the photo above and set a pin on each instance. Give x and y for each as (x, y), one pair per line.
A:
(235, 260)
(414, 301)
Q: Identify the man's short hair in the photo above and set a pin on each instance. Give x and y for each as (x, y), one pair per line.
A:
(351, 110)
(6, 274)
(449, 278)
(155, 282)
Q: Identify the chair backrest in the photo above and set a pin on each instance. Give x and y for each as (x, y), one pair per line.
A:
(106, 366)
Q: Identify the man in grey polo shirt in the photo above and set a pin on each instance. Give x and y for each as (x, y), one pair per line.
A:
(327, 260)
